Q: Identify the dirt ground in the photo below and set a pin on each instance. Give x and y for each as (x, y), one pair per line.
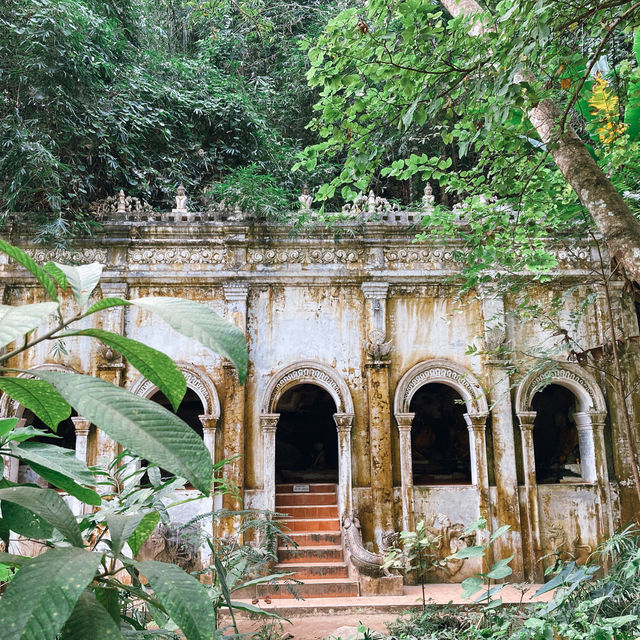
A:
(320, 627)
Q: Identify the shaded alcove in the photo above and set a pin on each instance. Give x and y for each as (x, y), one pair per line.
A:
(440, 451)
(189, 410)
(306, 436)
(66, 433)
(555, 436)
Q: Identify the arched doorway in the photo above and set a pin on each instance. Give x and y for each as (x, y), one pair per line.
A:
(440, 452)
(190, 411)
(555, 436)
(306, 438)
(308, 374)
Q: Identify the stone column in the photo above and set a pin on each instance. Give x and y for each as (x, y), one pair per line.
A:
(377, 374)
(405, 421)
(235, 294)
(82, 426)
(477, 425)
(268, 426)
(209, 424)
(110, 364)
(507, 509)
(344, 422)
(596, 421)
(532, 509)
(12, 465)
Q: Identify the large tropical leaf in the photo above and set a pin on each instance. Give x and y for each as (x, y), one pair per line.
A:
(6, 424)
(154, 365)
(183, 597)
(143, 426)
(107, 303)
(16, 321)
(121, 527)
(56, 458)
(82, 279)
(27, 261)
(89, 620)
(198, 321)
(143, 531)
(47, 504)
(44, 592)
(38, 396)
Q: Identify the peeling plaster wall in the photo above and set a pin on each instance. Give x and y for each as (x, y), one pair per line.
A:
(306, 302)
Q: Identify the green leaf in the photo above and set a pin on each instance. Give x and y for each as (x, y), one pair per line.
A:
(47, 504)
(82, 279)
(28, 263)
(141, 425)
(107, 303)
(499, 570)
(499, 532)
(250, 608)
(56, 273)
(121, 527)
(13, 560)
(109, 598)
(89, 620)
(25, 522)
(6, 424)
(183, 597)
(57, 458)
(88, 496)
(470, 586)
(143, 531)
(154, 365)
(197, 321)
(26, 433)
(15, 322)
(38, 396)
(43, 593)
(470, 552)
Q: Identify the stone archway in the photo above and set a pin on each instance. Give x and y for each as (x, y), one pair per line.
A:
(201, 384)
(589, 420)
(442, 371)
(308, 372)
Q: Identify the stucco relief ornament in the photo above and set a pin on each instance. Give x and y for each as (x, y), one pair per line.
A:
(428, 200)
(123, 206)
(376, 347)
(370, 207)
(305, 199)
(181, 201)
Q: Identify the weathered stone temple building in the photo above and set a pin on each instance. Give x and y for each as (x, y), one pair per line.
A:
(361, 377)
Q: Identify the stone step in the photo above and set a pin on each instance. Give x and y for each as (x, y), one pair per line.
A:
(312, 570)
(320, 553)
(308, 511)
(315, 538)
(310, 524)
(314, 499)
(333, 588)
(319, 487)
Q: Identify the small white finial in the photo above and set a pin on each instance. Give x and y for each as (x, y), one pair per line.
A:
(122, 203)
(181, 201)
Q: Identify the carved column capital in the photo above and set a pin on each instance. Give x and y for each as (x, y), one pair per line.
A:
(269, 422)
(236, 291)
(209, 423)
(476, 421)
(375, 290)
(81, 425)
(344, 422)
(526, 419)
(404, 420)
(598, 419)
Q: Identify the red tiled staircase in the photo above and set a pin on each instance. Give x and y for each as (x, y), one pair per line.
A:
(312, 522)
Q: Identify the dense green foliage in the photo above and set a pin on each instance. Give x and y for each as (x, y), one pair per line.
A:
(143, 95)
(409, 96)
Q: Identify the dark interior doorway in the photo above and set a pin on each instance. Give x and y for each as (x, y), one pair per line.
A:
(189, 410)
(439, 437)
(555, 436)
(306, 437)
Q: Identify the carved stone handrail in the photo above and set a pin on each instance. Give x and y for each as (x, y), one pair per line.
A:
(367, 563)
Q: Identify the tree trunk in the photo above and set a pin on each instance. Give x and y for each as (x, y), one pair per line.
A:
(614, 219)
